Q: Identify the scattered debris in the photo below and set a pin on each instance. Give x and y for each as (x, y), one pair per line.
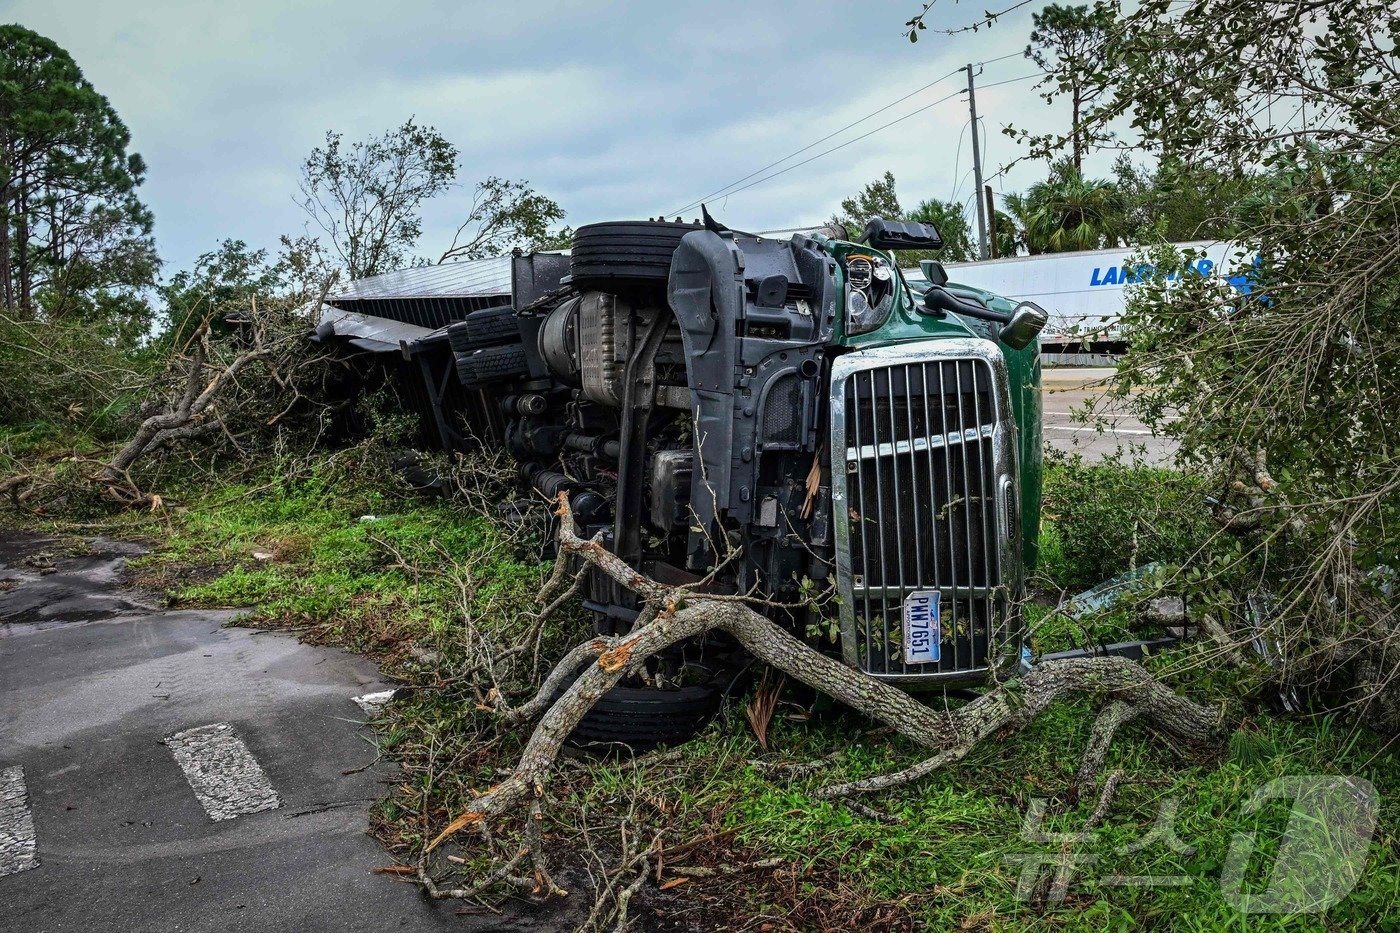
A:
(372, 703)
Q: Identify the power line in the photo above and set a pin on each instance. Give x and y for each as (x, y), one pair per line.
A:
(827, 152)
(957, 161)
(818, 142)
(993, 61)
(1038, 74)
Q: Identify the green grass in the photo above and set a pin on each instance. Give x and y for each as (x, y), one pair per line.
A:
(369, 570)
(392, 586)
(953, 862)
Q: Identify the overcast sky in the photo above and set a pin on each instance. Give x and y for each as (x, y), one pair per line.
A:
(615, 109)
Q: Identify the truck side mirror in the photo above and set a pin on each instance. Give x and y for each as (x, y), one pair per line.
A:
(895, 234)
(1027, 321)
(933, 271)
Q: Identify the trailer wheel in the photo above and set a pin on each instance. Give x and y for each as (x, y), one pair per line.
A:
(491, 364)
(616, 254)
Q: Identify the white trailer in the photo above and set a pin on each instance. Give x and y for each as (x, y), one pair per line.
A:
(1084, 292)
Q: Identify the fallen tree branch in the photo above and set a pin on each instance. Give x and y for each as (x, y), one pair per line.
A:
(673, 614)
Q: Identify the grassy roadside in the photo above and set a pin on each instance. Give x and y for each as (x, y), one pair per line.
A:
(430, 589)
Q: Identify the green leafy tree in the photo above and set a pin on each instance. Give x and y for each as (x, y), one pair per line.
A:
(876, 199)
(74, 237)
(1282, 386)
(367, 197)
(1007, 234)
(1070, 212)
(230, 280)
(553, 240)
(1067, 43)
(505, 215)
(1177, 201)
(951, 223)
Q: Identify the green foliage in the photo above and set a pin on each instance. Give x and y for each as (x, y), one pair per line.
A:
(1179, 201)
(68, 376)
(876, 199)
(343, 549)
(1102, 519)
(950, 221)
(75, 241)
(228, 280)
(1067, 44)
(1069, 212)
(552, 240)
(367, 198)
(506, 215)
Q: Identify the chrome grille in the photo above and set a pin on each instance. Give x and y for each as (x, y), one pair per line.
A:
(923, 466)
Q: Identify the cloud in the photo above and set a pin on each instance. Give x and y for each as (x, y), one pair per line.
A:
(615, 109)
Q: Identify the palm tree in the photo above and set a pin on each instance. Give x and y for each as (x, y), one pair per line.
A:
(1018, 212)
(1070, 212)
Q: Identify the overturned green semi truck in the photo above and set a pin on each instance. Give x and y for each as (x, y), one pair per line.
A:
(779, 417)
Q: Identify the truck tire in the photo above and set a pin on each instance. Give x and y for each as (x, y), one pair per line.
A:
(619, 253)
(484, 328)
(491, 326)
(641, 718)
(457, 338)
(482, 367)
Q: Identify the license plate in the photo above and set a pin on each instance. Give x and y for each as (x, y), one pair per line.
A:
(922, 638)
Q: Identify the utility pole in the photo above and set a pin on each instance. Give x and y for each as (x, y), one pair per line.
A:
(977, 167)
(991, 224)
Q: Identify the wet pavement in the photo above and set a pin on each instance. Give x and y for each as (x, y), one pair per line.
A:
(1067, 390)
(256, 823)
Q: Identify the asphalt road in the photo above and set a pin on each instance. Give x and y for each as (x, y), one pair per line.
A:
(1069, 390)
(249, 822)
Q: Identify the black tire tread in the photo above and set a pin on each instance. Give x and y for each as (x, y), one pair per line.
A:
(642, 718)
(491, 326)
(625, 251)
(491, 364)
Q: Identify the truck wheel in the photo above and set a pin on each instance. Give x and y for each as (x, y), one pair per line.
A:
(491, 326)
(641, 718)
(491, 364)
(484, 328)
(458, 339)
(618, 253)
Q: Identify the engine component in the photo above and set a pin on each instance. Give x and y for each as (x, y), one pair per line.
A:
(558, 341)
(670, 489)
(596, 446)
(531, 403)
(587, 342)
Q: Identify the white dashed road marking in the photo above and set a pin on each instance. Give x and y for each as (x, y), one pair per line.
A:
(224, 774)
(18, 849)
(1081, 429)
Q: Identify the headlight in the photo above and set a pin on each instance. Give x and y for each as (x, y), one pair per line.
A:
(861, 316)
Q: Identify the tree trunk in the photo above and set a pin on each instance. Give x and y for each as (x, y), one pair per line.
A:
(6, 256)
(22, 245)
(1076, 131)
